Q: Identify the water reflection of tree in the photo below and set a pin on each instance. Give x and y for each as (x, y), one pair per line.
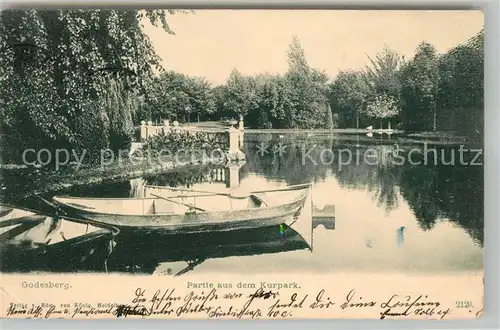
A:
(464, 189)
(288, 166)
(454, 192)
(418, 187)
(379, 175)
(385, 186)
(303, 161)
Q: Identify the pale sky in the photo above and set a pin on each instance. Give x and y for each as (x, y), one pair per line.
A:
(210, 43)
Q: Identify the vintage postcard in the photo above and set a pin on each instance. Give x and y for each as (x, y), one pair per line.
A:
(241, 164)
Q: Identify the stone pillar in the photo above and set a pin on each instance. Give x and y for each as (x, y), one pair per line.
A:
(240, 123)
(234, 153)
(233, 139)
(144, 131)
(234, 175)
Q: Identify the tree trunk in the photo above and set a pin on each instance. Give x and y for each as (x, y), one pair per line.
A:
(381, 123)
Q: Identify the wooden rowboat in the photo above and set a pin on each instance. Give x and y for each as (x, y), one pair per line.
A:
(31, 241)
(192, 212)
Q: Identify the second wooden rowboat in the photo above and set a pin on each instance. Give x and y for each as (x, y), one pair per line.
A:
(32, 241)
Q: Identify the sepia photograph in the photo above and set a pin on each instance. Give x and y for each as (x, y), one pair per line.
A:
(241, 163)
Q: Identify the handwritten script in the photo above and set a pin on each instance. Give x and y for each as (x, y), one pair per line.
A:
(244, 304)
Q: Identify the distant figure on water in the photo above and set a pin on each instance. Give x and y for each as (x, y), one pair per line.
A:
(400, 235)
(369, 243)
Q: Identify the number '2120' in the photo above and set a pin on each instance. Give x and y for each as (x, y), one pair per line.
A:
(464, 304)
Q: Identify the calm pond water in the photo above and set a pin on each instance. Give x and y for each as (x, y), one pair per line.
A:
(390, 215)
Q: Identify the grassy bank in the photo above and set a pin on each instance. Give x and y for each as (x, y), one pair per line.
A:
(22, 182)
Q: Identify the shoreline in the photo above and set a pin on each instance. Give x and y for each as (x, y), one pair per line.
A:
(431, 137)
(53, 181)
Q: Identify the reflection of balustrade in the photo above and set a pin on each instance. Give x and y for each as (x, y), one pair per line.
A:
(325, 217)
(229, 176)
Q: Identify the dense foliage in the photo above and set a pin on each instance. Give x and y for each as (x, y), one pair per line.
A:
(297, 99)
(420, 81)
(184, 144)
(461, 87)
(430, 92)
(57, 68)
(179, 97)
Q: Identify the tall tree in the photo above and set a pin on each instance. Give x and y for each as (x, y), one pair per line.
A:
(329, 118)
(202, 102)
(309, 89)
(348, 96)
(241, 93)
(177, 95)
(420, 81)
(274, 97)
(383, 80)
(382, 74)
(461, 88)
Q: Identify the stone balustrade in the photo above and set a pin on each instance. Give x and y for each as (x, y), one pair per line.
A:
(235, 135)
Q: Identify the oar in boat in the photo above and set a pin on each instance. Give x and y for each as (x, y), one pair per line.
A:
(24, 224)
(180, 203)
(207, 193)
(238, 193)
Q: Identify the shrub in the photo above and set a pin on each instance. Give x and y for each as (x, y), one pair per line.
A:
(173, 142)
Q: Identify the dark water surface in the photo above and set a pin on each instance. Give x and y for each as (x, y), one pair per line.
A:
(391, 214)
